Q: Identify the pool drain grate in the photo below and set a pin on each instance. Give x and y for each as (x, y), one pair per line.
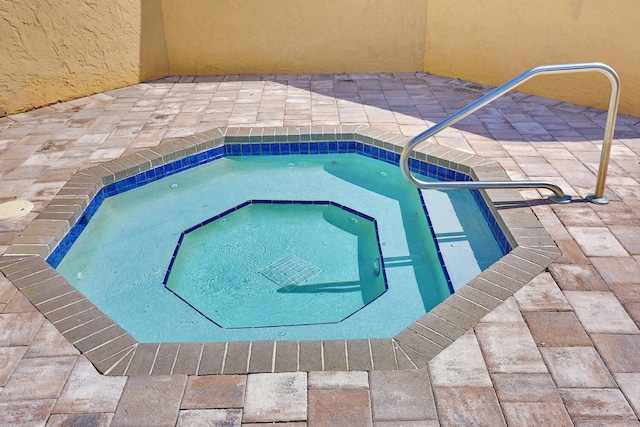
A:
(290, 271)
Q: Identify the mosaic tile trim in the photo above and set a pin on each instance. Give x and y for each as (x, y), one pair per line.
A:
(438, 249)
(113, 351)
(260, 149)
(277, 149)
(503, 241)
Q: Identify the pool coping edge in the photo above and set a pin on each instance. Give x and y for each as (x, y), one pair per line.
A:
(113, 351)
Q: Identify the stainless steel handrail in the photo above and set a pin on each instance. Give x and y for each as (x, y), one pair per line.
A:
(559, 196)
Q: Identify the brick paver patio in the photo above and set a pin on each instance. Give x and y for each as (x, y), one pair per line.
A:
(563, 350)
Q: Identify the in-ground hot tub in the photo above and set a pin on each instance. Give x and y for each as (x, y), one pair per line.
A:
(126, 177)
(322, 246)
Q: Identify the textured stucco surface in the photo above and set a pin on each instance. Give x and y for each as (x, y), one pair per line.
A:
(294, 36)
(55, 50)
(64, 49)
(491, 42)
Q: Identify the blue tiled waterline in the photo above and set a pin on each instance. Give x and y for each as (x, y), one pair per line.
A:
(272, 149)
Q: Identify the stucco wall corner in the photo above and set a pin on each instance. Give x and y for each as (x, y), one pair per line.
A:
(56, 50)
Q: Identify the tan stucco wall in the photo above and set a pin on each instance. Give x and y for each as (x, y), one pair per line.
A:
(294, 36)
(55, 50)
(491, 41)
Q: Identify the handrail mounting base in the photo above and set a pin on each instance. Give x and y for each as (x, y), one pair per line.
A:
(598, 200)
(560, 200)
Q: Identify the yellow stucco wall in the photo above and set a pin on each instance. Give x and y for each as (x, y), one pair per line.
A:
(491, 41)
(56, 50)
(294, 36)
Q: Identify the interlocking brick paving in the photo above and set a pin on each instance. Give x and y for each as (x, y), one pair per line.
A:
(592, 289)
(556, 329)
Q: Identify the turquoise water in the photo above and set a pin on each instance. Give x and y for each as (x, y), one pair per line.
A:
(297, 257)
(121, 258)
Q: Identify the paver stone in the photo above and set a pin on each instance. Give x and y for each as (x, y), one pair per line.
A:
(556, 329)
(152, 401)
(402, 395)
(603, 404)
(578, 367)
(50, 342)
(597, 241)
(339, 408)
(601, 312)
(621, 353)
(38, 378)
(630, 386)
(88, 391)
(17, 329)
(73, 420)
(210, 418)
(26, 413)
(577, 277)
(460, 365)
(509, 348)
(276, 397)
(463, 406)
(617, 270)
(214, 391)
(536, 414)
(541, 294)
(507, 312)
(9, 357)
(338, 380)
(525, 388)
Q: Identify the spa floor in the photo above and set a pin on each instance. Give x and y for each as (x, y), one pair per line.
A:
(564, 350)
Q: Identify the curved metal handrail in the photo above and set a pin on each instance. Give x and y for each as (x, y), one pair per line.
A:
(559, 196)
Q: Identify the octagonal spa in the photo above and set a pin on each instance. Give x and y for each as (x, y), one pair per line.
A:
(249, 237)
(274, 263)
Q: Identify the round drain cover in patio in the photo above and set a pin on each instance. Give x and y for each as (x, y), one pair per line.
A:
(15, 209)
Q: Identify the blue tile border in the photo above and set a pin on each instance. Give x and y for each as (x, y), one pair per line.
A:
(498, 233)
(435, 239)
(69, 239)
(272, 149)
